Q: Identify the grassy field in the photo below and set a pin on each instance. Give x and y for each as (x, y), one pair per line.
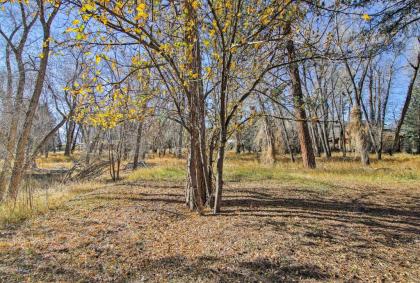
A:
(281, 223)
(396, 170)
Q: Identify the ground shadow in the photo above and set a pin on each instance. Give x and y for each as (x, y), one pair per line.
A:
(179, 268)
(391, 224)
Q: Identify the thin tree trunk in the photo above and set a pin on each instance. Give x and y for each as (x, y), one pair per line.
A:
(13, 130)
(92, 146)
(406, 104)
(138, 143)
(69, 137)
(180, 140)
(238, 142)
(314, 139)
(219, 174)
(382, 113)
(74, 143)
(269, 156)
(286, 136)
(18, 102)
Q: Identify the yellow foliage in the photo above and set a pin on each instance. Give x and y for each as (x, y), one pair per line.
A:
(366, 17)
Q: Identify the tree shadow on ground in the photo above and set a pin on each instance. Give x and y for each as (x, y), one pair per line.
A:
(179, 268)
(340, 219)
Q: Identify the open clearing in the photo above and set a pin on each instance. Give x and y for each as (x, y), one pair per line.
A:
(320, 229)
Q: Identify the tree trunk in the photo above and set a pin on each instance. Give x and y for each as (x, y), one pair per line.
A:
(180, 139)
(74, 143)
(324, 129)
(314, 139)
(197, 184)
(138, 143)
(382, 113)
(71, 127)
(92, 147)
(18, 166)
(219, 174)
(286, 136)
(269, 154)
(305, 142)
(13, 130)
(238, 142)
(406, 104)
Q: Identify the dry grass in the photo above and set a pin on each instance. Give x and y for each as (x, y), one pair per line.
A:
(402, 169)
(55, 161)
(281, 223)
(160, 169)
(266, 233)
(40, 201)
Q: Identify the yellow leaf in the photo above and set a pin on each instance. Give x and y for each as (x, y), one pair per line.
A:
(195, 4)
(366, 17)
(88, 7)
(99, 88)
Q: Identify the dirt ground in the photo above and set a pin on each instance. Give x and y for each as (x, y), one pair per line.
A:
(268, 232)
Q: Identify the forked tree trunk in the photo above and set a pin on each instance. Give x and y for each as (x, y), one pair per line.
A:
(18, 50)
(305, 142)
(197, 184)
(18, 166)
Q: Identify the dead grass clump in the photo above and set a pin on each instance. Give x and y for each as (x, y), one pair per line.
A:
(40, 201)
(358, 134)
(55, 161)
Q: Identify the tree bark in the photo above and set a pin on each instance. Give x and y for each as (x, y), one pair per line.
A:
(180, 140)
(197, 184)
(286, 136)
(269, 156)
(13, 129)
(71, 127)
(18, 166)
(382, 113)
(406, 104)
(305, 142)
(138, 143)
